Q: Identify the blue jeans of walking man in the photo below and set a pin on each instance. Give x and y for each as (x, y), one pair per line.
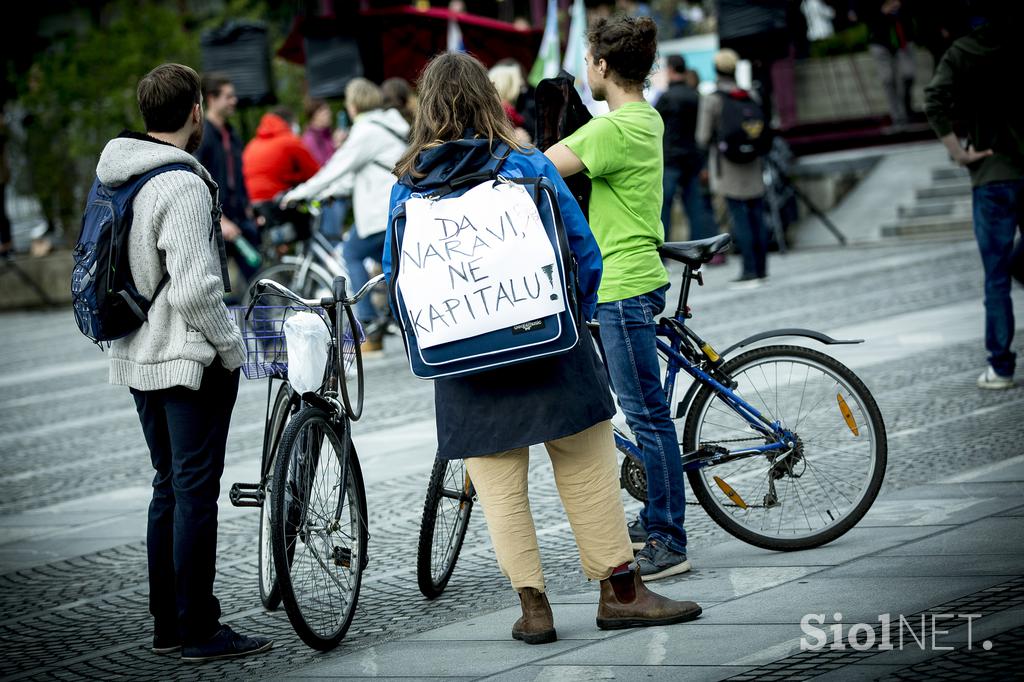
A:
(629, 340)
(998, 217)
(751, 235)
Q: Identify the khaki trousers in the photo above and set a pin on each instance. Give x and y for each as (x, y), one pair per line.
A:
(587, 477)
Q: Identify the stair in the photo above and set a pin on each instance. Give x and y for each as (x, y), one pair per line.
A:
(942, 209)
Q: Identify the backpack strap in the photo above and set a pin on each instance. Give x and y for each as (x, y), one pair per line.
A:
(132, 191)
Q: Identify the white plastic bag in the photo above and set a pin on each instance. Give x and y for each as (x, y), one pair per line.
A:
(308, 341)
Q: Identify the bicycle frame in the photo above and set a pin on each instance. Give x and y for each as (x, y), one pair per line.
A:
(675, 341)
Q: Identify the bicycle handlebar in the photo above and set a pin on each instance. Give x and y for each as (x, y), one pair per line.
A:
(261, 287)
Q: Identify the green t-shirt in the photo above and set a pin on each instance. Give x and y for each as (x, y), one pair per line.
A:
(622, 152)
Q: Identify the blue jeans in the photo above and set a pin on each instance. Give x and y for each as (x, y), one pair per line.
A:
(695, 202)
(751, 236)
(998, 216)
(628, 338)
(355, 250)
(187, 432)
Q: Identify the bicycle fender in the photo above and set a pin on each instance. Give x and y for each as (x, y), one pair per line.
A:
(789, 331)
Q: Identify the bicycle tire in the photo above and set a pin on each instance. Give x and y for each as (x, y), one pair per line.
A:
(431, 578)
(867, 408)
(287, 513)
(270, 591)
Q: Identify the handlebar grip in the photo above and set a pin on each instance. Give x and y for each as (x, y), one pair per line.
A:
(338, 289)
(253, 297)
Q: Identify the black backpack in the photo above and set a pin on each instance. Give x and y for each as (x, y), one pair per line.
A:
(743, 134)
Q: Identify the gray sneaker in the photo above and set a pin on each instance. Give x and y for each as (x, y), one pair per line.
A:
(657, 561)
(637, 533)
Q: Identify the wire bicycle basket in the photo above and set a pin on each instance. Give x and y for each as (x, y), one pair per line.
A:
(266, 351)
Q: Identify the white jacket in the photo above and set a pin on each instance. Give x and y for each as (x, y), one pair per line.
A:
(362, 168)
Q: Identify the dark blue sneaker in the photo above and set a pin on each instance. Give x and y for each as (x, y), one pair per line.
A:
(656, 561)
(637, 533)
(225, 644)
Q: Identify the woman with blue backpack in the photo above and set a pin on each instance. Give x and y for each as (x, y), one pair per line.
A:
(490, 418)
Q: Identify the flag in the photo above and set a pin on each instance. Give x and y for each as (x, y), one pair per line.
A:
(549, 57)
(455, 43)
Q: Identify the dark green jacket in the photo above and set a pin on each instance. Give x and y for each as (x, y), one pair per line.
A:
(975, 88)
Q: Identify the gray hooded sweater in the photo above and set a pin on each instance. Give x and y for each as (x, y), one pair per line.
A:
(188, 326)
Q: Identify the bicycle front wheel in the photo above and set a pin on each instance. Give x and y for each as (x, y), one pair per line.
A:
(446, 514)
(810, 493)
(319, 527)
(270, 592)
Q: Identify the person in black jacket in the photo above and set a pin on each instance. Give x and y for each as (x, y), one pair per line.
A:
(683, 161)
(220, 153)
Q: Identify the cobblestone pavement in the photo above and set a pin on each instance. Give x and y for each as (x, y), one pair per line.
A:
(65, 436)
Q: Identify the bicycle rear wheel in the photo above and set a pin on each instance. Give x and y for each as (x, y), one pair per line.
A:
(446, 514)
(270, 591)
(319, 527)
(808, 494)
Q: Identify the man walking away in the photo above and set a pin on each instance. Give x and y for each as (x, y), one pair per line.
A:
(732, 117)
(683, 161)
(971, 85)
(621, 154)
(181, 364)
(220, 152)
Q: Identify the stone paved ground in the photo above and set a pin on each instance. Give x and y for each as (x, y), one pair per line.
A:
(74, 470)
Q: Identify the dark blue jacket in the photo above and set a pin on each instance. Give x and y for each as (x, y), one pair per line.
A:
(212, 154)
(532, 402)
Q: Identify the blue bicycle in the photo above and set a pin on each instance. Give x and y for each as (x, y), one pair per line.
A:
(783, 446)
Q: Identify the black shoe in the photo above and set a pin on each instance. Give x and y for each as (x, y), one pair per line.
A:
(164, 646)
(225, 644)
(637, 533)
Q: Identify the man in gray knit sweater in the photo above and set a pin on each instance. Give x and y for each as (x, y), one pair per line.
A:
(182, 364)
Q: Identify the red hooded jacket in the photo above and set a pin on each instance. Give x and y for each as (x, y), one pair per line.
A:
(275, 160)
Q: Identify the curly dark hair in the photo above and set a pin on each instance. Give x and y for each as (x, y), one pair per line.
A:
(628, 44)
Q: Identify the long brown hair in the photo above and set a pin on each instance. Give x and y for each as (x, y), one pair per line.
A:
(454, 94)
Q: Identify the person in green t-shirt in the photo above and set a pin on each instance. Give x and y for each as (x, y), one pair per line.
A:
(621, 153)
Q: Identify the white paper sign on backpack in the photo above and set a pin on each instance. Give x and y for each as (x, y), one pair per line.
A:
(476, 263)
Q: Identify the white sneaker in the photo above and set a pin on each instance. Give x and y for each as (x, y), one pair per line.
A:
(989, 379)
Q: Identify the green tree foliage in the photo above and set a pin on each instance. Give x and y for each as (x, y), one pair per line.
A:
(81, 92)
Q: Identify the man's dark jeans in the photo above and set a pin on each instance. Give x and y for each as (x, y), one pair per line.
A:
(186, 432)
(686, 180)
(628, 339)
(355, 250)
(748, 229)
(998, 217)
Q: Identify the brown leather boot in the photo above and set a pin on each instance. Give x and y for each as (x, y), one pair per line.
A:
(627, 603)
(537, 625)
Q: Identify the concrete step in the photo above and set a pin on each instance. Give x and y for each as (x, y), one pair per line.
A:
(943, 173)
(937, 206)
(929, 226)
(27, 282)
(946, 188)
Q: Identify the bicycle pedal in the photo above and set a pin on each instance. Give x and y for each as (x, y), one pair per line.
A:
(246, 495)
(342, 557)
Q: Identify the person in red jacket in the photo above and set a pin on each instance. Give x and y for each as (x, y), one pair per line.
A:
(275, 160)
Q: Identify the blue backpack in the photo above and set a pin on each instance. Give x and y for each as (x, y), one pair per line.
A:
(546, 336)
(106, 302)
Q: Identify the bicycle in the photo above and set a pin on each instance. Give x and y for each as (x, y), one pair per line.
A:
(739, 447)
(313, 267)
(313, 523)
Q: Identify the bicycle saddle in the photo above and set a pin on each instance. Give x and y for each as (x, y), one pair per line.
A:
(697, 252)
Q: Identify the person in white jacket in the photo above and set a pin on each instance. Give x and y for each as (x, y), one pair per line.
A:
(362, 168)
